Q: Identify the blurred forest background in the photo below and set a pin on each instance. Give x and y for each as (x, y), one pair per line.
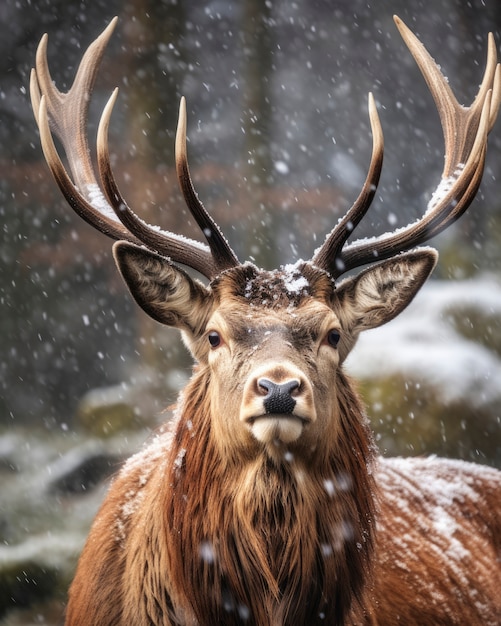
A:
(279, 144)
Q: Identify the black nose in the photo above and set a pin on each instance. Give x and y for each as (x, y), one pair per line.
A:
(278, 398)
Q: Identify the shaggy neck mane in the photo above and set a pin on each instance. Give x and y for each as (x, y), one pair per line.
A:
(274, 543)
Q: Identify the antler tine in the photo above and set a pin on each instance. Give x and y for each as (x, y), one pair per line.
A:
(179, 249)
(101, 217)
(459, 124)
(496, 86)
(465, 132)
(327, 257)
(68, 112)
(223, 255)
(65, 114)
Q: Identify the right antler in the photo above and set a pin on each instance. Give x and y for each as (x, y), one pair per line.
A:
(465, 133)
(65, 114)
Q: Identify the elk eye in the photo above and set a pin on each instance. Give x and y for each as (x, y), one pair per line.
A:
(333, 337)
(214, 339)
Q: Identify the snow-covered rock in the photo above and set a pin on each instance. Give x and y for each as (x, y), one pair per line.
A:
(432, 376)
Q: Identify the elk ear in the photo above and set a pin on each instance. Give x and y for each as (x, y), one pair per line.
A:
(163, 290)
(380, 293)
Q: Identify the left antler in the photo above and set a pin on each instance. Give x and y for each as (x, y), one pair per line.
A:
(465, 134)
(65, 114)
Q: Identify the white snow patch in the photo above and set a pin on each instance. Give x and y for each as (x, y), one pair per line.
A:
(421, 343)
(329, 487)
(206, 552)
(95, 197)
(152, 457)
(153, 453)
(178, 462)
(444, 188)
(294, 281)
(281, 167)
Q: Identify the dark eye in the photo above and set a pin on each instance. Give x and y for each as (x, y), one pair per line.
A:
(333, 337)
(214, 338)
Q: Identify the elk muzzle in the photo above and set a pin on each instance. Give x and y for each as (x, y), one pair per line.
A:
(277, 403)
(278, 398)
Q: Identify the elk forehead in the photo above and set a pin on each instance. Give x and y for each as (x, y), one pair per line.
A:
(290, 304)
(285, 286)
(288, 286)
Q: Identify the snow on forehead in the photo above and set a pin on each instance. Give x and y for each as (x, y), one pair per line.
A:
(287, 283)
(294, 281)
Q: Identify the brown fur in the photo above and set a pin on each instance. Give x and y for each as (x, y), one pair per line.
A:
(438, 559)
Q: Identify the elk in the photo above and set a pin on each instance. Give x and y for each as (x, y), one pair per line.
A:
(264, 501)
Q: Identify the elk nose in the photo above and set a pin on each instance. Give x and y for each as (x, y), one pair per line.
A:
(278, 398)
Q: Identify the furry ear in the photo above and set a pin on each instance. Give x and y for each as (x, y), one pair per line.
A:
(164, 291)
(381, 292)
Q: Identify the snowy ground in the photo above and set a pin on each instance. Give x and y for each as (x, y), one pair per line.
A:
(424, 343)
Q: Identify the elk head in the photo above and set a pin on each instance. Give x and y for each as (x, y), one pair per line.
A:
(271, 342)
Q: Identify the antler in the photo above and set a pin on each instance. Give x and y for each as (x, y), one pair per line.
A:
(465, 134)
(65, 115)
(101, 204)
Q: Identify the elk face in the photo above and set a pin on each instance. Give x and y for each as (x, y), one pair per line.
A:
(272, 366)
(272, 342)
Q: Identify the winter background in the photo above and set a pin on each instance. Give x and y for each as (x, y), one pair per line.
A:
(279, 144)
